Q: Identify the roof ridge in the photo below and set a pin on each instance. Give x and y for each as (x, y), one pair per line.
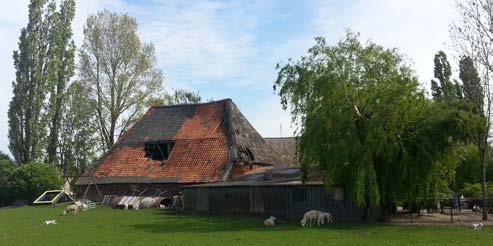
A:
(191, 104)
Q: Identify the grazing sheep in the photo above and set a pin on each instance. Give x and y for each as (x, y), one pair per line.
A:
(270, 221)
(322, 217)
(310, 217)
(81, 205)
(147, 202)
(50, 222)
(477, 226)
(71, 209)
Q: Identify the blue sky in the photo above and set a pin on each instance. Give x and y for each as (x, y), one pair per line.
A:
(229, 49)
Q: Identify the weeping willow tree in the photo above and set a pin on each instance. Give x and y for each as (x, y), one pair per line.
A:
(363, 121)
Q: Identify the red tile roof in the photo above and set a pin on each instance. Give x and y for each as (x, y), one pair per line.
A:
(200, 152)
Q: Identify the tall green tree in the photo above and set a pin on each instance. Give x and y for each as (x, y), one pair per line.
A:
(472, 35)
(78, 141)
(26, 128)
(443, 89)
(61, 69)
(118, 71)
(363, 121)
(473, 90)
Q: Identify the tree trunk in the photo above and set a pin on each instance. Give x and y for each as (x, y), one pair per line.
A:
(484, 188)
(388, 209)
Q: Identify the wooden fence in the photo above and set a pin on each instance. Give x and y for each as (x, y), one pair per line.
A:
(288, 201)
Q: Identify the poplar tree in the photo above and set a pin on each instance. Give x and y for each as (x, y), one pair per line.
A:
(443, 89)
(473, 37)
(61, 69)
(26, 128)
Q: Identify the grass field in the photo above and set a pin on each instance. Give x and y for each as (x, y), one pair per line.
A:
(105, 226)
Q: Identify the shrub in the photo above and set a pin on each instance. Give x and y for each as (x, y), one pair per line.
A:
(474, 190)
(32, 179)
(6, 170)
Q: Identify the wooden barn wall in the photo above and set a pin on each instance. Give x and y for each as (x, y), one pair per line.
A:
(286, 201)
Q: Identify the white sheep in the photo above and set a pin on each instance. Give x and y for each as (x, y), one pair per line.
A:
(135, 204)
(81, 205)
(270, 221)
(310, 217)
(478, 226)
(71, 209)
(147, 202)
(322, 217)
(50, 222)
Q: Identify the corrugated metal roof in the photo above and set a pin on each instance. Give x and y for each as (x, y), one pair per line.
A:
(253, 183)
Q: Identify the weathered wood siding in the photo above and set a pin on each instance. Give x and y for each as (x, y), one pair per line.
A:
(283, 201)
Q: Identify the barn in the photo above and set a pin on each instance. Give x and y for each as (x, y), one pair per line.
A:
(273, 191)
(211, 154)
(178, 145)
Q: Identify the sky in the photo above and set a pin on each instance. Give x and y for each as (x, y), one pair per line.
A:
(229, 49)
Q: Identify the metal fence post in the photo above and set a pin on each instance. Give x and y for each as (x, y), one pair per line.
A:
(451, 211)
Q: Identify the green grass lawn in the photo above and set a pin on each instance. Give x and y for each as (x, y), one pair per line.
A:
(105, 226)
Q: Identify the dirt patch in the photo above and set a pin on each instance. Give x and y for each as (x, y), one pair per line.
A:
(464, 217)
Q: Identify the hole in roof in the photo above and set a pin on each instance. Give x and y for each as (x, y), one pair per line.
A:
(158, 150)
(245, 154)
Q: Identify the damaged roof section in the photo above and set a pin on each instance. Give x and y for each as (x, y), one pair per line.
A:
(189, 143)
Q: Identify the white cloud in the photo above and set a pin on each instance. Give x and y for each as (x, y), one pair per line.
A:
(417, 28)
(13, 17)
(227, 44)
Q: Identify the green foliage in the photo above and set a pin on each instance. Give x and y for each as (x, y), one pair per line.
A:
(474, 190)
(118, 72)
(44, 65)
(362, 118)
(29, 88)
(473, 90)
(179, 96)
(443, 90)
(79, 143)
(60, 70)
(30, 180)
(6, 170)
(468, 170)
(4, 156)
